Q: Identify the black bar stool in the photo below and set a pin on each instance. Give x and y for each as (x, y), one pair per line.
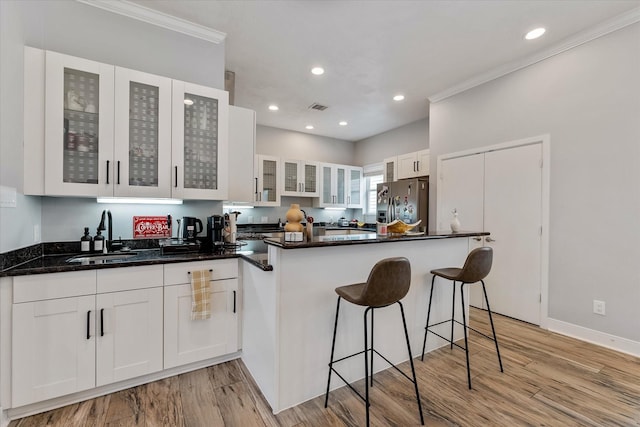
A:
(387, 284)
(476, 267)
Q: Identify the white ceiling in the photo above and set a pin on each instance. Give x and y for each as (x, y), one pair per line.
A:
(372, 50)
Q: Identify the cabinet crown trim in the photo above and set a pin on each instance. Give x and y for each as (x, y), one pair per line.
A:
(159, 19)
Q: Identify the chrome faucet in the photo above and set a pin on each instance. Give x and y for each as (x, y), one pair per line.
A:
(101, 227)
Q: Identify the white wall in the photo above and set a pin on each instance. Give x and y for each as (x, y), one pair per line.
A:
(405, 139)
(303, 146)
(77, 29)
(588, 100)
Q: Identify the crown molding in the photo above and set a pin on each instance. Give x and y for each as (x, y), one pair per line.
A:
(153, 17)
(604, 28)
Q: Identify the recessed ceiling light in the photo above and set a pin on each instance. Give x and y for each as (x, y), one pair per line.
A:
(188, 101)
(534, 34)
(398, 97)
(343, 123)
(273, 107)
(318, 71)
(308, 127)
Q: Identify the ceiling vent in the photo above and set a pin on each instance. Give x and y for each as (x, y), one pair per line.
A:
(316, 106)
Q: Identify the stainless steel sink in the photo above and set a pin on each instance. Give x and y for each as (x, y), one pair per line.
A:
(101, 258)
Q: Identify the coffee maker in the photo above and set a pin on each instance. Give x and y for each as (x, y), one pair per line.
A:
(215, 227)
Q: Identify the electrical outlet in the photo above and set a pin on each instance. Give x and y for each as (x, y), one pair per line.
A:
(598, 307)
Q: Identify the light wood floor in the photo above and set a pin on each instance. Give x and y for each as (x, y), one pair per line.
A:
(549, 380)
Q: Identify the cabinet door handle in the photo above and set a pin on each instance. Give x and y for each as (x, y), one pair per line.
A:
(118, 176)
(108, 164)
(302, 187)
(88, 324)
(417, 165)
(256, 192)
(234, 301)
(176, 175)
(489, 239)
(260, 196)
(102, 322)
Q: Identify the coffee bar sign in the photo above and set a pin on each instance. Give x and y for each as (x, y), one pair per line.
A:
(151, 227)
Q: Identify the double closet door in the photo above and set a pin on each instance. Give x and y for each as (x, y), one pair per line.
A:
(500, 192)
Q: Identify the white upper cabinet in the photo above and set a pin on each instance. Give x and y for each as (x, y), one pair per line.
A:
(242, 147)
(142, 153)
(333, 186)
(267, 172)
(97, 130)
(414, 164)
(79, 126)
(355, 194)
(300, 178)
(390, 167)
(199, 142)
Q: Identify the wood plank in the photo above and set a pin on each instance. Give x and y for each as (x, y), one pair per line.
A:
(237, 406)
(125, 404)
(162, 403)
(199, 404)
(225, 374)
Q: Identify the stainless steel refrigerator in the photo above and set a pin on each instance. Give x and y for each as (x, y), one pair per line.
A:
(407, 200)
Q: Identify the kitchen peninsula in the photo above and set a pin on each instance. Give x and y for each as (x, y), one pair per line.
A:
(289, 312)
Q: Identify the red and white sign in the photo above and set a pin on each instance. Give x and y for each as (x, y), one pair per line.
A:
(148, 227)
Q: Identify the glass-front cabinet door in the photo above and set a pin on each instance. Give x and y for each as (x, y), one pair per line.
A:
(79, 117)
(300, 178)
(266, 181)
(142, 154)
(199, 142)
(333, 188)
(356, 188)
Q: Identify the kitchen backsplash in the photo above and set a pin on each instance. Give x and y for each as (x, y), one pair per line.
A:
(64, 219)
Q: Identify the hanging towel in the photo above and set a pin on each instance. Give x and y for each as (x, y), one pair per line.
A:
(200, 294)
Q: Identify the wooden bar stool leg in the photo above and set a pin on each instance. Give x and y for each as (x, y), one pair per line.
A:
(495, 339)
(466, 341)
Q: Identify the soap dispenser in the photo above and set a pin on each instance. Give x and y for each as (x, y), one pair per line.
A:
(86, 241)
(98, 242)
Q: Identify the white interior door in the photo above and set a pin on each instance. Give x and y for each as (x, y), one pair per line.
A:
(462, 188)
(513, 216)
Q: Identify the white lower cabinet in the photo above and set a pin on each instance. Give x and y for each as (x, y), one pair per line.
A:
(128, 334)
(75, 331)
(53, 348)
(186, 340)
(66, 345)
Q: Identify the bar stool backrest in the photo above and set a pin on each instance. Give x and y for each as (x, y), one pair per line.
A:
(477, 266)
(388, 282)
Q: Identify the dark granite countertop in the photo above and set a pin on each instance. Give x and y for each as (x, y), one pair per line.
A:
(255, 252)
(366, 238)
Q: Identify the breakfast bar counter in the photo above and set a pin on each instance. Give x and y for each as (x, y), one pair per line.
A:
(289, 312)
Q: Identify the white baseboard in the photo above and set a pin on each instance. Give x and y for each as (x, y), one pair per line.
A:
(4, 420)
(603, 339)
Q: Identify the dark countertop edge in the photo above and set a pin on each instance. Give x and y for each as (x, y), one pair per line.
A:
(17, 271)
(280, 243)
